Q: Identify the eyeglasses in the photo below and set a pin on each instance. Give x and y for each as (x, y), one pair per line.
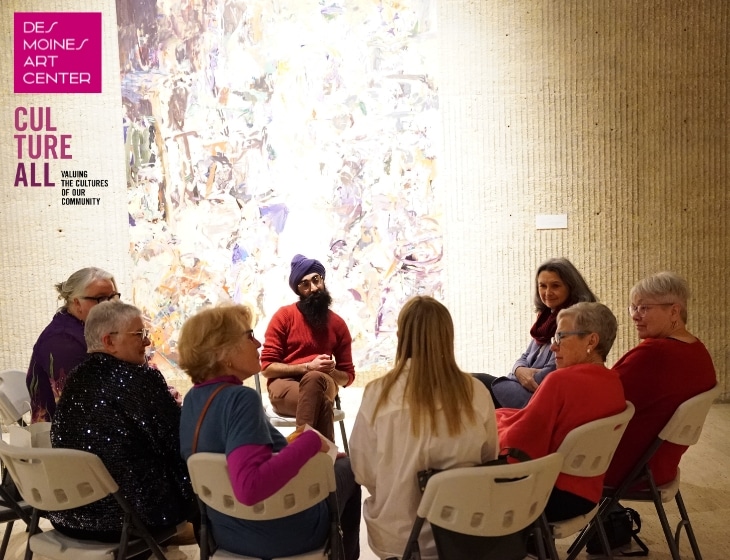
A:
(249, 334)
(142, 334)
(99, 299)
(307, 284)
(559, 336)
(641, 310)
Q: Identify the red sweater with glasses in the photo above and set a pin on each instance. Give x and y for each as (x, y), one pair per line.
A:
(658, 375)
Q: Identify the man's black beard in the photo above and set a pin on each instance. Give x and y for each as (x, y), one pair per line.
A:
(315, 308)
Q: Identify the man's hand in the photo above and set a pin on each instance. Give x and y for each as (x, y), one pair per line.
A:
(323, 363)
(326, 364)
(526, 377)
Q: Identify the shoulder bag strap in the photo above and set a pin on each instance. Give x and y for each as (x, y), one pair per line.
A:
(204, 412)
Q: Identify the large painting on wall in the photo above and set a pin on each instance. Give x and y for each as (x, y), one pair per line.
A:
(255, 130)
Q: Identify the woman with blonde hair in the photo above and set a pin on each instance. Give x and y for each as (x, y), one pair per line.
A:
(424, 413)
(218, 350)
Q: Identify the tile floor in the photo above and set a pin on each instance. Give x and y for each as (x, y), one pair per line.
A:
(705, 488)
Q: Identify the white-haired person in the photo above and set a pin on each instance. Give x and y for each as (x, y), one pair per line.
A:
(120, 409)
(580, 390)
(61, 345)
(668, 366)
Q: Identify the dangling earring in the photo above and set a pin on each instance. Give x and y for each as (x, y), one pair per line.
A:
(674, 325)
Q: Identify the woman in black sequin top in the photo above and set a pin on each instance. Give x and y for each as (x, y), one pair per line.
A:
(118, 408)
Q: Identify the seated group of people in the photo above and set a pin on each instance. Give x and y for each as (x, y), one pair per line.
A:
(424, 413)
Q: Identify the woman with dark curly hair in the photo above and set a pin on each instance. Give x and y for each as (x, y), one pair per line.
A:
(558, 285)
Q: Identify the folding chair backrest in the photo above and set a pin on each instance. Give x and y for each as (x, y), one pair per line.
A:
(492, 500)
(685, 425)
(57, 479)
(588, 449)
(34, 435)
(313, 484)
(14, 396)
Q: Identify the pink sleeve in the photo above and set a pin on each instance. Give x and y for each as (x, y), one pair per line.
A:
(256, 473)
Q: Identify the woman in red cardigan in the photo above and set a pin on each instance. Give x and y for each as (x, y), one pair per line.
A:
(579, 391)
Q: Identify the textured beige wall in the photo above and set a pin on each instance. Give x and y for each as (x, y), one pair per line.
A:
(41, 240)
(612, 112)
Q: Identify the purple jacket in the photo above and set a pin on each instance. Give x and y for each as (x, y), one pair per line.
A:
(60, 348)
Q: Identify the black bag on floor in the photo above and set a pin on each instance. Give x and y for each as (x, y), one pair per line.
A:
(623, 525)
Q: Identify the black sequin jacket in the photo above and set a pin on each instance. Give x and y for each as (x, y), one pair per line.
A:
(124, 413)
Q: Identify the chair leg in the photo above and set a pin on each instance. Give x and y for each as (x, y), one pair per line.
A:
(204, 542)
(343, 432)
(344, 437)
(412, 543)
(552, 552)
(6, 538)
(126, 530)
(687, 527)
(138, 525)
(582, 539)
(11, 503)
(537, 535)
(32, 530)
(673, 548)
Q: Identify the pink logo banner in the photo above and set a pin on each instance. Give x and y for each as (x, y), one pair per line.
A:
(57, 52)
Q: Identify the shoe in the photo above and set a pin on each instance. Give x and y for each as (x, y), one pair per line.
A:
(185, 537)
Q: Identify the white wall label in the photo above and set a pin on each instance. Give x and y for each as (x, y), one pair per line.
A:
(551, 221)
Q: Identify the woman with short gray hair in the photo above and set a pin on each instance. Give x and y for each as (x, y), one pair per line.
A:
(668, 366)
(580, 390)
(117, 407)
(61, 345)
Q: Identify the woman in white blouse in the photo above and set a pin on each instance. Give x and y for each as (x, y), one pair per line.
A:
(424, 413)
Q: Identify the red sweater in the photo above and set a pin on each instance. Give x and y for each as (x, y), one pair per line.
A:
(658, 375)
(290, 340)
(567, 398)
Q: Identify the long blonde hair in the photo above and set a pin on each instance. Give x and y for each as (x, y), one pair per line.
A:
(426, 338)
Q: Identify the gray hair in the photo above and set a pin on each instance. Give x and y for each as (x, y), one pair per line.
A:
(74, 285)
(107, 317)
(578, 289)
(596, 318)
(664, 285)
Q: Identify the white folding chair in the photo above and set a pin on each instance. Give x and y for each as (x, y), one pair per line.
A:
(279, 421)
(14, 396)
(314, 483)
(14, 403)
(587, 452)
(33, 435)
(683, 428)
(61, 479)
(488, 501)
